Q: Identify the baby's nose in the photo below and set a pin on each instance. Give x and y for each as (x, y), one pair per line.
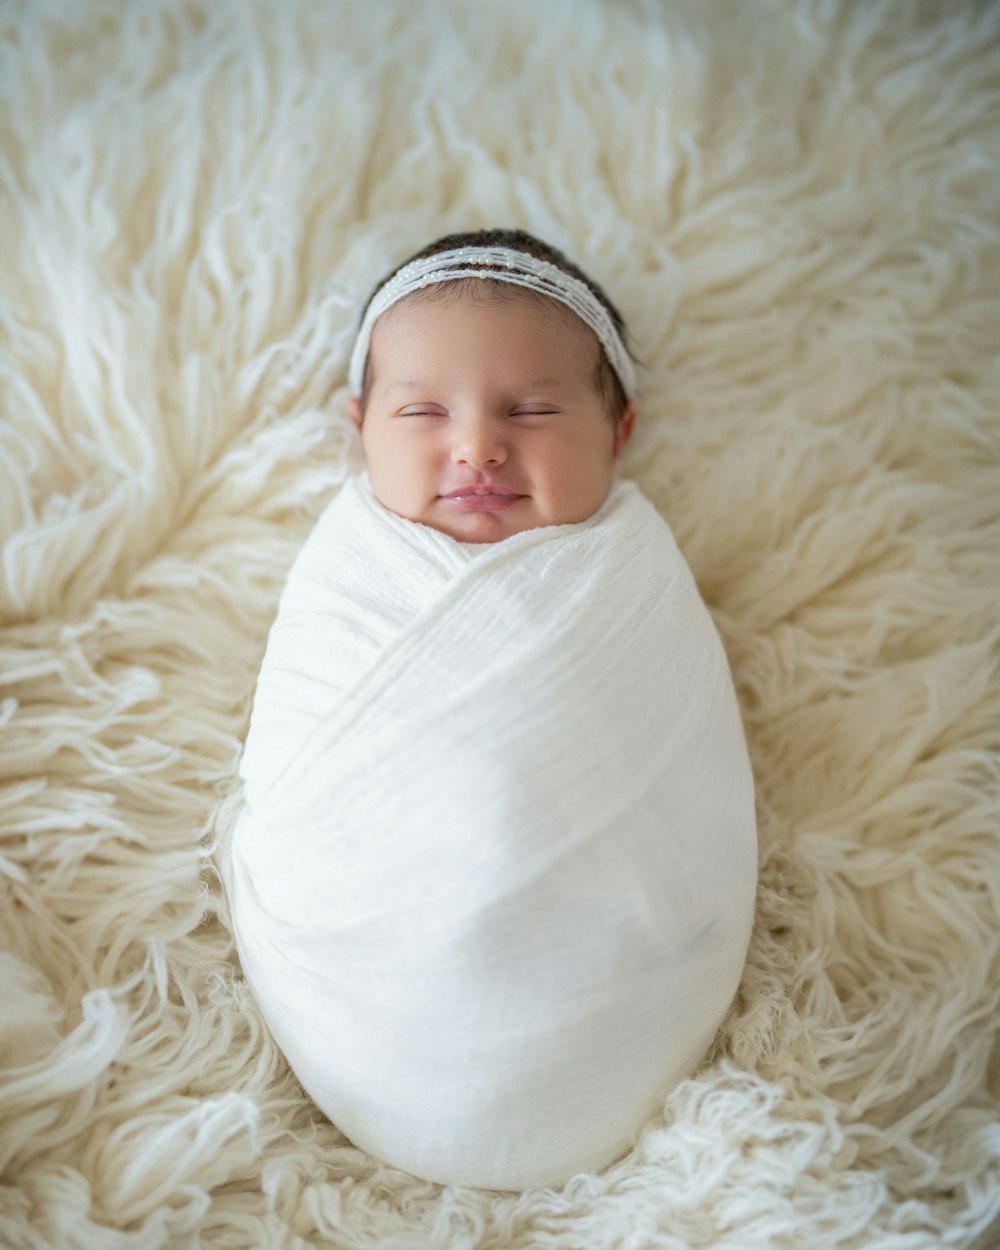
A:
(479, 439)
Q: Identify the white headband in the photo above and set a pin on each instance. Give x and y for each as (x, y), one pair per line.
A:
(540, 276)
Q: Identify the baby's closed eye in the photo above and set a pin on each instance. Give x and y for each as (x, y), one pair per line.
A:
(517, 412)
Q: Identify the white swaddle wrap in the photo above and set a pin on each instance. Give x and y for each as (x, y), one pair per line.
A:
(494, 882)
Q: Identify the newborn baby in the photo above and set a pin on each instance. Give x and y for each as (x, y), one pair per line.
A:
(493, 882)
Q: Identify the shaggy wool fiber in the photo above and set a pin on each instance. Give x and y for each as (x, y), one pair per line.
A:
(796, 207)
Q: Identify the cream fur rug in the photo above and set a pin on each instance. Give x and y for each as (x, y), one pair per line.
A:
(796, 207)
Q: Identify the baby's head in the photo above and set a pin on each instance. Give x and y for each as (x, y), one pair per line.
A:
(478, 381)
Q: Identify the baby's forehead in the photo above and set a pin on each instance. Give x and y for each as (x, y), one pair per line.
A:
(417, 308)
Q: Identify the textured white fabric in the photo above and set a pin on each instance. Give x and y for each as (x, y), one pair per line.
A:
(506, 265)
(490, 941)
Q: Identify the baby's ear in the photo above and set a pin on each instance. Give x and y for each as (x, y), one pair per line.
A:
(354, 410)
(625, 428)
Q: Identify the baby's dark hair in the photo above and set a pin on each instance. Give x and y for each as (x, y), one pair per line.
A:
(605, 379)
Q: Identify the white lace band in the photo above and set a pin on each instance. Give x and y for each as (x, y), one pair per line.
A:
(538, 275)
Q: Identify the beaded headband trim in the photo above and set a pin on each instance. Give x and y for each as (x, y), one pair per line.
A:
(507, 265)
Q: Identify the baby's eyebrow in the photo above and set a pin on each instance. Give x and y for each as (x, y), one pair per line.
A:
(545, 382)
(424, 384)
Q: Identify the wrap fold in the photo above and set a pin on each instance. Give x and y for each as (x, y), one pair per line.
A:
(493, 883)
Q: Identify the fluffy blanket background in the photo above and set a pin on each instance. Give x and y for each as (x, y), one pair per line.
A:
(796, 207)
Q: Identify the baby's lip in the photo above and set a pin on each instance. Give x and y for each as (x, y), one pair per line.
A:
(480, 489)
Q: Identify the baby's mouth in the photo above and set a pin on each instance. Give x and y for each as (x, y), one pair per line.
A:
(479, 500)
(496, 492)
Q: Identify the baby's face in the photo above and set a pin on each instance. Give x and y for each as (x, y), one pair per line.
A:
(498, 393)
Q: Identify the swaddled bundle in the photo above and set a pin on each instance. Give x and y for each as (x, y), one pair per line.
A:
(494, 883)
